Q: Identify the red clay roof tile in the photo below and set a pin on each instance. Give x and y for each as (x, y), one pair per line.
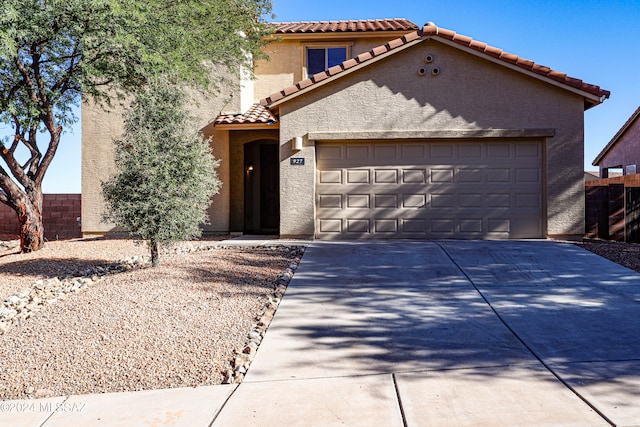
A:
(355, 26)
(257, 114)
(395, 43)
(432, 31)
(448, 34)
(509, 57)
(493, 51)
(525, 63)
(463, 39)
(350, 63)
(478, 46)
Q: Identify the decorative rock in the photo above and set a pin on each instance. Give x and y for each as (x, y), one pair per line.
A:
(43, 392)
(263, 319)
(250, 348)
(13, 301)
(7, 313)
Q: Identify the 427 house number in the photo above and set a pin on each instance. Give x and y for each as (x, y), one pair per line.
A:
(296, 161)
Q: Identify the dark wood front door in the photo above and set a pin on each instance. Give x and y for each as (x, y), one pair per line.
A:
(262, 188)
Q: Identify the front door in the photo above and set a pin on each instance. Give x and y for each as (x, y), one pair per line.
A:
(262, 188)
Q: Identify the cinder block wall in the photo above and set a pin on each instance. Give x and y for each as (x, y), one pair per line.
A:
(60, 212)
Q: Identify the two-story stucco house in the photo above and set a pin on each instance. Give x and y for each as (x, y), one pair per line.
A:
(382, 129)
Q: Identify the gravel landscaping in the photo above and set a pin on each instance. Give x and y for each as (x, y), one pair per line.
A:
(197, 319)
(627, 254)
(90, 315)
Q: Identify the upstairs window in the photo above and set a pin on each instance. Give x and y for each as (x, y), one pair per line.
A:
(321, 59)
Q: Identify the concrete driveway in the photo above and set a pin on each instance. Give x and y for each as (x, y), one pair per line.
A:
(463, 333)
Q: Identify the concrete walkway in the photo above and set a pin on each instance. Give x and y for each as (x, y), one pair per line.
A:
(408, 333)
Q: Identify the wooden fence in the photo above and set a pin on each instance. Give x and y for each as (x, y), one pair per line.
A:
(612, 208)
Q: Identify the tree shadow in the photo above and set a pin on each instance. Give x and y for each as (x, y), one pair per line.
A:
(53, 267)
(357, 308)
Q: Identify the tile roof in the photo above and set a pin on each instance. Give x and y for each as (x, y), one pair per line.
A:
(617, 136)
(429, 31)
(393, 24)
(257, 114)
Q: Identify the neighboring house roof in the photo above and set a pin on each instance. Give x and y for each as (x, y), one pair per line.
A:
(616, 137)
(257, 114)
(591, 175)
(594, 95)
(359, 26)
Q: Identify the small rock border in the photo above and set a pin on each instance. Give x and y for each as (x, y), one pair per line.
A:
(25, 304)
(239, 364)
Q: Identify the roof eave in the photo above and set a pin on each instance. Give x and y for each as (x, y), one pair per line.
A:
(339, 35)
(246, 126)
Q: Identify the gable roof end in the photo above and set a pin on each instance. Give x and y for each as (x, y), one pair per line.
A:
(431, 31)
(616, 137)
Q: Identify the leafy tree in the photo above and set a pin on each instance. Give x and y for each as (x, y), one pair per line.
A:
(52, 51)
(165, 173)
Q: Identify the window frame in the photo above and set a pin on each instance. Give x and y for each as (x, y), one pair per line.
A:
(325, 46)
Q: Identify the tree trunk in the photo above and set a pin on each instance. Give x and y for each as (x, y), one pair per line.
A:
(154, 253)
(30, 217)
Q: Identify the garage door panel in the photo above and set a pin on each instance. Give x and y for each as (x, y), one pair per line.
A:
(357, 152)
(527, 150)
(358, 201)
(327, 201)
(498, 175)
(471, 175)
(498, 151)
(414, 201)
(330, 177)
(442, 175)
(386, 226)
(386, 201)
(467, 189)
(386, 176)
(470, 151)
(414, 176)
(358, 176)
(442, 152)
(414, 152)
(470, 225)
(383, 151)
(528, 175)
(330, 152)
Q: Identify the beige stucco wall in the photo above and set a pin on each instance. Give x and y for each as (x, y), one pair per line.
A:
(286, 64)
(470, 93)
(100, 128)
(219, 210)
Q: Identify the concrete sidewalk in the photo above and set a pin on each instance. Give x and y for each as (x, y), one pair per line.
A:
(408, 333)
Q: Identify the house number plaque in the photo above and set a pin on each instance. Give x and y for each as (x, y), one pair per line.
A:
(296, 161)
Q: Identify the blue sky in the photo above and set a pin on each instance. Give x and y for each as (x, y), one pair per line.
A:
(596, 41)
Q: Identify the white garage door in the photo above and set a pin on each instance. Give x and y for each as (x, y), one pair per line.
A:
(435, 190)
